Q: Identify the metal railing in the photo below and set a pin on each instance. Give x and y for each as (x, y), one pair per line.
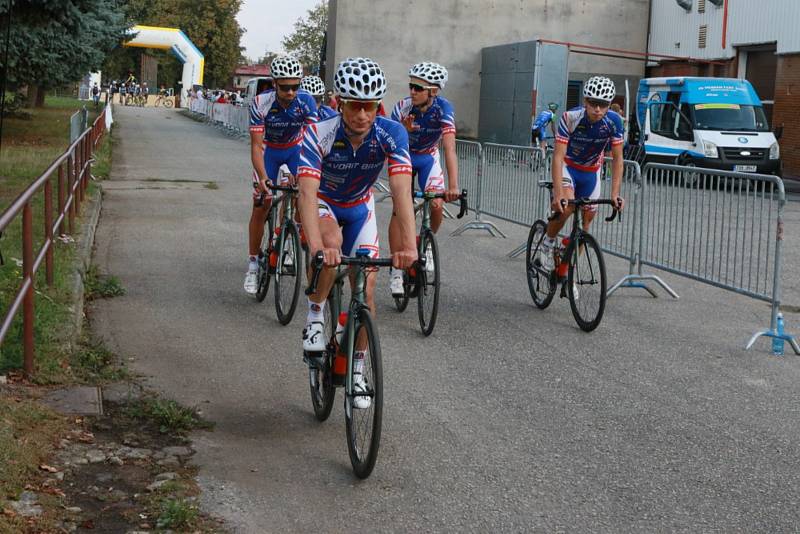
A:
(72, 171)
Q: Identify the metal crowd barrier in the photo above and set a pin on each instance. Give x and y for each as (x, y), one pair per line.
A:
(721, 228)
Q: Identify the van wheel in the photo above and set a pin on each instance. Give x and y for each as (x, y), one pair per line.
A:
(688, 178)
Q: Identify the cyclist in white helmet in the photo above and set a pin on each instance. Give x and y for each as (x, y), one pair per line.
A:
(277, 119)
(429, 119)
(341, 160)
(316, 87)
(581, 141)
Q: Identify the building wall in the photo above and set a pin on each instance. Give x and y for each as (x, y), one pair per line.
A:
(786, 112)
(673, 31)
(452, 32)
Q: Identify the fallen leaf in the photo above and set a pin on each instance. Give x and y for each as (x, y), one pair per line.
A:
(88, 524)
(48, 468)
(8, 512)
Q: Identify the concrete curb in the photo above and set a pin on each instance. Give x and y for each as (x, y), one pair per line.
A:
(85, 245)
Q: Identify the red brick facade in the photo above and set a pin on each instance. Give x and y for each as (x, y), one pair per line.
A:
(787, 111)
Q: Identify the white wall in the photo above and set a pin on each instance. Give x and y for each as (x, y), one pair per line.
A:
(452, 32)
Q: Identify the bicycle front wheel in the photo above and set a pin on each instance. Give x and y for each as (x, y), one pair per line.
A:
(167, 103)
(263, 262)
(320, 376)
(540, 282)
(287, 273)
(401, 303)
(428, 285)
(364, 408)
(586, 282)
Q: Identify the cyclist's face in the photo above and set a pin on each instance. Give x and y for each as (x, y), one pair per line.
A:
(595, 109)
(419, 93)
(358, 116)
(287, 89)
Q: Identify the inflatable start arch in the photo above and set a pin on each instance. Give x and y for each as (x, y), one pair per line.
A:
(176, 41)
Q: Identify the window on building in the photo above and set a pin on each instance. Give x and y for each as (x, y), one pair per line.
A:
(702, 36)
(701, 6)
(574, 94)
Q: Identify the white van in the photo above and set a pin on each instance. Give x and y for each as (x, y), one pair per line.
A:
(716, 123)
(250, 90)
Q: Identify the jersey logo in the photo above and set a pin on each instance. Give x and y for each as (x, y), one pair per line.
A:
(339, 144)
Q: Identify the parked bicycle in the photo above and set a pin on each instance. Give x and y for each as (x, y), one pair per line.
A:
(423, 283)
(348, 331)
(280, 256)
(578, 266)
(165, 101)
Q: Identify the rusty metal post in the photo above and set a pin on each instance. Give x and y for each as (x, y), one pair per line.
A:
(70, 181)
(78, 177)
(48, 231)
(61, 197)
(27, 302)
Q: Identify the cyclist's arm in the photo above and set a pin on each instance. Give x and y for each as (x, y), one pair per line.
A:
(617, 169)
(257, 154)
(450, 160)
(557, 167)
(309, 211)
(403, 210)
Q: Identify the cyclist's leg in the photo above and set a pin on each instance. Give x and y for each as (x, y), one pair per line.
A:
(587, 189)
(433, 182)
(396, 239)
(261, 204)
(568, 189)
(313, 333)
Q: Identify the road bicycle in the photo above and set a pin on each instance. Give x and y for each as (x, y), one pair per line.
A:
(423, 284)
(163, 101)
(348, 331)
(579, 267)
(279, 256)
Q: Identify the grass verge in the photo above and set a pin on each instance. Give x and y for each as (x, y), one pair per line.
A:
(169, 416)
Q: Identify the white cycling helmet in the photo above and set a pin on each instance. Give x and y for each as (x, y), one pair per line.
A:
(432, 73)
(359, 78)
(286, 67)
(313, 84)
(599, 88)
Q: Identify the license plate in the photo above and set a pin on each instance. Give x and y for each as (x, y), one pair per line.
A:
(744, 168)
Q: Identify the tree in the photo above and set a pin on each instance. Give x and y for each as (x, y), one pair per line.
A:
(55, 42)
(305, 42)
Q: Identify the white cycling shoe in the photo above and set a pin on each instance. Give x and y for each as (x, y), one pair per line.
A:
(360, 386)
(429, 264)
(546, 257)
(396, 284)
(314, 337)
(251, 282)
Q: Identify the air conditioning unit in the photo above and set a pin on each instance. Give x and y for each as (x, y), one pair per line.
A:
(685, 4)
(717, 3)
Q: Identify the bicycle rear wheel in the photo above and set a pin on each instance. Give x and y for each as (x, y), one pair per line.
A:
(167, 103)
(263, 261)
(287, 273)
(428, 290)
(541, 283)
(586, 282)
(364, 424)
(320, 376)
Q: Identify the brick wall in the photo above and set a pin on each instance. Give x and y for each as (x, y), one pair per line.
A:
(786, 112)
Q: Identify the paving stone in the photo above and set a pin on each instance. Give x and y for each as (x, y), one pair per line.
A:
(157, 484)
(122, 392)
(79, 400)
(166, 476)
(95, 457)
(115, 460)
(177, 451)
(170, 461)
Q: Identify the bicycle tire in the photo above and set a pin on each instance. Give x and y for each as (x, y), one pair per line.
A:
(428, 285)
(167, 103)
(587, 316)
(320, 379)
(541, 285)
(364, 452)
(263, 261)
(401, 303)
(289, 244)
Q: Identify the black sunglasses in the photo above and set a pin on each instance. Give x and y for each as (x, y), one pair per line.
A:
(286, 87)
(602, 104)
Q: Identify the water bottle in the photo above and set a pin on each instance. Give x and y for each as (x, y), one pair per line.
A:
(563, 267)
(339, 358)
(777, 343)
(340, 327)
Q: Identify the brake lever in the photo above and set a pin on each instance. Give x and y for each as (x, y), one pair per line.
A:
(464, 206)
(316, 267)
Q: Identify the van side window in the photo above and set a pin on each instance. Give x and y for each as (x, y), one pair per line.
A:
(666, 121)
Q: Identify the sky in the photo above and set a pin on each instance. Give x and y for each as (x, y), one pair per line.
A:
(268, 21)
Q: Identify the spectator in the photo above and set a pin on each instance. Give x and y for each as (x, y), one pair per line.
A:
(96, 95)
(332, 100)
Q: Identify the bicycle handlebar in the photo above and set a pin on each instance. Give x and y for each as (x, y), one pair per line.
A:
(360, 261)
(579, 202)
(464, 207)
(286, 188)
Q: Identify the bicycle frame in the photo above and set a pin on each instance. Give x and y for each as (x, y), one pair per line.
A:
(285, 201)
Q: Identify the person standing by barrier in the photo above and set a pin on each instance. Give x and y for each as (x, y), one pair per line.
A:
(341, 160)
(316, 87)
(277, 121)
(539, 125)
(581, 141)
(96, 96)
(429, 119)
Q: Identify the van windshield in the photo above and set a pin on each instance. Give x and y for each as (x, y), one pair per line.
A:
(736, 117)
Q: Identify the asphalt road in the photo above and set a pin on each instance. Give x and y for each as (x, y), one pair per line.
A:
(506, 419)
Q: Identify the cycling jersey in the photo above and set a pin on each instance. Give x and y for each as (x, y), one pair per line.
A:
(325, 111)
(282, 128)
(429, 127)
(586, 142)
(345, 175)
(543, 119)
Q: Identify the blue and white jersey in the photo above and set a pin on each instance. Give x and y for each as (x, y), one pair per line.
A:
(542, 119)
(325, 111)
(282, 128)
(587, 142)
(429, 127)
(346, 175)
